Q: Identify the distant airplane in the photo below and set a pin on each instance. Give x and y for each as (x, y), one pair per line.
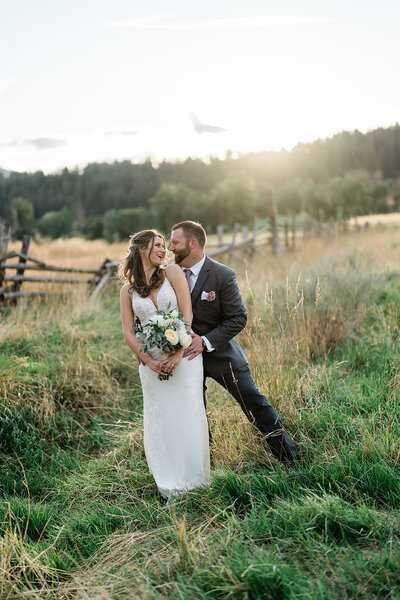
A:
(203, 128)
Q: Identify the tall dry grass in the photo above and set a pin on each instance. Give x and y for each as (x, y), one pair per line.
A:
(74, 252)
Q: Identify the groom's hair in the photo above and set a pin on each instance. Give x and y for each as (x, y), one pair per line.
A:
(192, 230)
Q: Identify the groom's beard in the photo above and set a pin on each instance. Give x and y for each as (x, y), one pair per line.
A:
(182, 254)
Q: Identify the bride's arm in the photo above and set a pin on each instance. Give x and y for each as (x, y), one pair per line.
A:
(127, 318)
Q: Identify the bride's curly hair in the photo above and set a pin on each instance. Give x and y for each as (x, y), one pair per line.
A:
(131, 267)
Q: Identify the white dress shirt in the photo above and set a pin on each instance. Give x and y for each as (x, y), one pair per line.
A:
(195, 272)
(192, 282)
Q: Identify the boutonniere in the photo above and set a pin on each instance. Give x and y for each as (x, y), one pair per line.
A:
(209, 296)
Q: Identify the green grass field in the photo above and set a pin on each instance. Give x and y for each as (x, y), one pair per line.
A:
(80, 514)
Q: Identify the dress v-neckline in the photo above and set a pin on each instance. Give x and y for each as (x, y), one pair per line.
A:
(159, 290)
(154, 304)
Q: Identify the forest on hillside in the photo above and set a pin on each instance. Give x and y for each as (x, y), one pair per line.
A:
(347, 175)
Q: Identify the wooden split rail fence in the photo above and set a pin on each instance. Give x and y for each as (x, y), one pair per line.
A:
(10, 284)
(280, 237)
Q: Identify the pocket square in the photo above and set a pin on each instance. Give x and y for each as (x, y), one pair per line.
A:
(209, 296)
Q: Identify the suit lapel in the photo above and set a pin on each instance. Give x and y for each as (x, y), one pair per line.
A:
(201, 280)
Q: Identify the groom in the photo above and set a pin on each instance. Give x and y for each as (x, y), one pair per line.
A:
(218, 316)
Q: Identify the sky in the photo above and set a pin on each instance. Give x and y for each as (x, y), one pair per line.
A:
(93, 80)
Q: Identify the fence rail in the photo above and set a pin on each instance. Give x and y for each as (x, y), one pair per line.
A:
(43, 267)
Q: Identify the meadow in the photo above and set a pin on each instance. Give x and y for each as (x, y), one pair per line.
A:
(80, 515)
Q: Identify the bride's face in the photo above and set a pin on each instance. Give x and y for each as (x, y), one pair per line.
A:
(156, 254)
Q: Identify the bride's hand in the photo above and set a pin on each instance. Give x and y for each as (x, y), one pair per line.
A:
(174, 358)
(155, 365)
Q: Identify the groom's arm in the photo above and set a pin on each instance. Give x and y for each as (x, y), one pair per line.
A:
(234, 315)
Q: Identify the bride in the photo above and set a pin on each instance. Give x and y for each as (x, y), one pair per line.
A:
(175, 425)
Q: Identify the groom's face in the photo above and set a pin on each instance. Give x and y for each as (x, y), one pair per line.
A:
(179, 245)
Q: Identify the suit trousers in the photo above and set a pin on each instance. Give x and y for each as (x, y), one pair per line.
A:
(241, 385)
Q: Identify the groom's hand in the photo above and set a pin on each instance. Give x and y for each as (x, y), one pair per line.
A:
(195, 348)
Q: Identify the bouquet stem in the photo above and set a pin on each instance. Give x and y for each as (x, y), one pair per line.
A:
(165, 377)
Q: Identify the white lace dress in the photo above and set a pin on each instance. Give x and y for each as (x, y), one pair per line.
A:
(175, 425)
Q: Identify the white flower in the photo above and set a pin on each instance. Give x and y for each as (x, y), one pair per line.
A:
(157, 319)
(185, 339)
(174, 314)
(172, 336)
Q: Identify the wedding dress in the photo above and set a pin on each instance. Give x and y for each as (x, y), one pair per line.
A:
(176, 439)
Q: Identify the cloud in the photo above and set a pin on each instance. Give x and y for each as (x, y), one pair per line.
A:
(5, 84)
(44, 143)
(119, 133)
(10, 144)
(41, 143)
(230, 23)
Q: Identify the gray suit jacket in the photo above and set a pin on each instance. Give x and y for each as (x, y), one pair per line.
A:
(220, 319)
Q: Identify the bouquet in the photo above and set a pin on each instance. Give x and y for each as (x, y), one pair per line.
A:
(167, 331)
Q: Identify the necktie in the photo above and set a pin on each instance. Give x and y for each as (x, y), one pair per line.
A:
(188, 273)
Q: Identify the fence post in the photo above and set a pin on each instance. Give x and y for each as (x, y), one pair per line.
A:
(320, 221)
(5, 233)
(26, 240)
(234, 234)
(254, 243)
(220, 234)
(286, 231)
(274, 226)
(293, 232)
(304, 229)
(245, 238)
(105, 273)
